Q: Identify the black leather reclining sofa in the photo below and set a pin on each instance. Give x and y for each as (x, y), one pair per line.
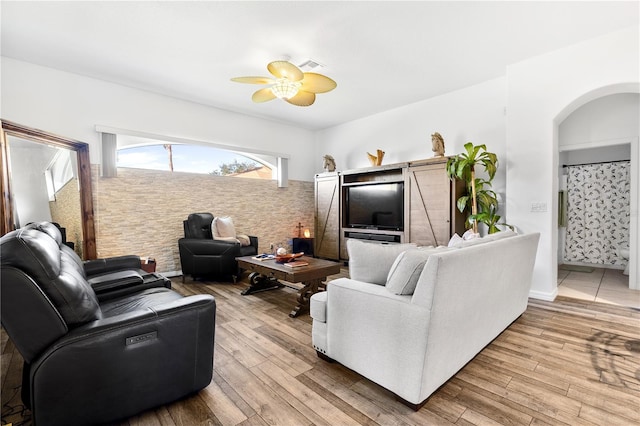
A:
(96, 357)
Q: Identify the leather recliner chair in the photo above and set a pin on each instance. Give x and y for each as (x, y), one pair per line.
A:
(109, 277)
(89, 361)
(202, 256)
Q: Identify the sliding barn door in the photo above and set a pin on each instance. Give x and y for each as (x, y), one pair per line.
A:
(327, 221)
(433, 217)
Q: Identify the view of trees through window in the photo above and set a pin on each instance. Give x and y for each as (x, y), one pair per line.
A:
(192, 159)
(236, 167)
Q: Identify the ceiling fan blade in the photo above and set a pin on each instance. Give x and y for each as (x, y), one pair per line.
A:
(317, 83)
(302, 98)
(284, 69)
(253, 80)
(263, 95)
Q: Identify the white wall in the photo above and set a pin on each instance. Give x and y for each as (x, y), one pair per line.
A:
(595, 155)
(541, 93)
(609, 117)
(474, 114)
(72, 105)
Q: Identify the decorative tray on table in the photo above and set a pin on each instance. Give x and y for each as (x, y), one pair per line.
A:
(286, 258)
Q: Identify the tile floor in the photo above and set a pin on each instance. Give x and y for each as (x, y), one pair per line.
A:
(601, 285)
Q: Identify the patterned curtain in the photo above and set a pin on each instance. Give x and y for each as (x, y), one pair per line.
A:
(597, 212)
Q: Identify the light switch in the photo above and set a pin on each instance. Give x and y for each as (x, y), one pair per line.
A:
(538, 207)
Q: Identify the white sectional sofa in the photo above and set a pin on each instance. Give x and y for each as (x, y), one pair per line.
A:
(412, 343)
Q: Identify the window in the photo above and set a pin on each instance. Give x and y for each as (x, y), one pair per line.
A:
(59, 171)
(192, 159)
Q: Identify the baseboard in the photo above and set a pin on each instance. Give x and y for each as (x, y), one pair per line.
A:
(549, 297)
(171, 274)
(593, 265)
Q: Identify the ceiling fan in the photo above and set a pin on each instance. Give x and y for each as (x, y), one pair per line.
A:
(290, 84)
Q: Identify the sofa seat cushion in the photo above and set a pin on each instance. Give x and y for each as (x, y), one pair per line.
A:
(142, 300)
(233, 240)
(318, 306)
(370, 262)
(406, 269)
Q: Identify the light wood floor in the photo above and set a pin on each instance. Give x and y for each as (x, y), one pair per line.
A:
(567, 362)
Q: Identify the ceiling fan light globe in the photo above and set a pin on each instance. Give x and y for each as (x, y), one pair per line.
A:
(285, 89)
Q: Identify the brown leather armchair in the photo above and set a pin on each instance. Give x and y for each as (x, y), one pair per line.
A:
(202, 256)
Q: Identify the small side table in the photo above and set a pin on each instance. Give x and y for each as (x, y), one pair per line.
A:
(148, 264)
(304, 245)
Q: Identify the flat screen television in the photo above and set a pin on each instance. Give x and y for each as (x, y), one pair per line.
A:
(375, 206)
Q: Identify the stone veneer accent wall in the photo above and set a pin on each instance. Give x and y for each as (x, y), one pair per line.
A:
(141, 211)
(65, 210)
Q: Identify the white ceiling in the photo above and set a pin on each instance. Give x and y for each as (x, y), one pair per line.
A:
(382, 54)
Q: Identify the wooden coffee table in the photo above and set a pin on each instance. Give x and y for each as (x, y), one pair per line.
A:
(266, 273)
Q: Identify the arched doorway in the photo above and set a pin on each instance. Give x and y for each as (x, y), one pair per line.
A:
(602, 127)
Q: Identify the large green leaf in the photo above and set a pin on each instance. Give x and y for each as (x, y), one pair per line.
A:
(487, 199)
(462, 203)
(461, 171)
(476, 152)
(452, 167)
(469, 148)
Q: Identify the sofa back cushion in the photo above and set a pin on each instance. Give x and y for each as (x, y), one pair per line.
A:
(67, 254)
(370, 262)
(406, 269)
(198, 225)
(461, 243)
(38, 255)
(499, 235)
(48, 228)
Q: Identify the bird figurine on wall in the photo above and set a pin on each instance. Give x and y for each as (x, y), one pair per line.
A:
(376, 160)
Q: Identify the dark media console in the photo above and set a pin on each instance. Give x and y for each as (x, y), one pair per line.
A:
(387, 238)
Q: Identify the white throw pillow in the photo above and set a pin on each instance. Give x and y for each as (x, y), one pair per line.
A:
(222, 227)
(214, 229)
(461, 243)
(370, 262)
(405, 272)
(455, 240)
(470, 235)
(245, 241)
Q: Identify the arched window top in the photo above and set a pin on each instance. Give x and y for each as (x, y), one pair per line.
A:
(115, 140)
(192, 159)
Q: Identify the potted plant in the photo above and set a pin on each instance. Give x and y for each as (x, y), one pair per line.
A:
(480, 198)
